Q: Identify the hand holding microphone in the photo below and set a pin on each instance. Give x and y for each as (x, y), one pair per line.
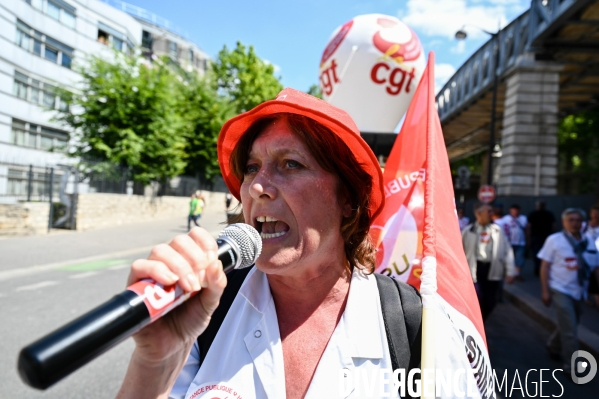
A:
(188, 267)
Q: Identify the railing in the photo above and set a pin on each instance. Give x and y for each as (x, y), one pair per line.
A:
(475, 76)
(544, 13)
(526, 32)
(146, 15)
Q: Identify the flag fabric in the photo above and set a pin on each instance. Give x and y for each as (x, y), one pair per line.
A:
(453, 332)
(397, 230)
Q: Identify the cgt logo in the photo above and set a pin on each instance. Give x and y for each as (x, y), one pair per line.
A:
(583, 367)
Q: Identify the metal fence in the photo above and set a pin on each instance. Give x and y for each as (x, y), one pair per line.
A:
(60, 185)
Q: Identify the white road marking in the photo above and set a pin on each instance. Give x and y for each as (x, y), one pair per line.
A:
(83, 275)
(36, 286)
(118, 267)
(25, 271)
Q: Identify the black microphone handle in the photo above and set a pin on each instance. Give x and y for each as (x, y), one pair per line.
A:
(53, 357)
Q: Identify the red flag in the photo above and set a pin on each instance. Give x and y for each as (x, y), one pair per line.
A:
(420, 204)
(454, 327)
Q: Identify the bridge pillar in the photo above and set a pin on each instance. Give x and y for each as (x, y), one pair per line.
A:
(528, 165)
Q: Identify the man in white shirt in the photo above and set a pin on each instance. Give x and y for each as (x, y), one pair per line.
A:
(591, 230)
(569, 260)
(514, 226)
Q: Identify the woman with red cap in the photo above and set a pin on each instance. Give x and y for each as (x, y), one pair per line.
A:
(307, 318)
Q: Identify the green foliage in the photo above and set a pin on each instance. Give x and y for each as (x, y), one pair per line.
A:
(205, 113)
(158, 120)
(314, 90)
(243, 78)
(473, 162)
(125, 113)
(578, 147)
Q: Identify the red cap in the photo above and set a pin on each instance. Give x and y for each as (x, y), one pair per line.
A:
(296, 102)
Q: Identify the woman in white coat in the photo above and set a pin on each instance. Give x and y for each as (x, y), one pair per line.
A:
(308, 315)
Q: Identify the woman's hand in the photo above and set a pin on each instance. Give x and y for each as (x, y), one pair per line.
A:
(191, 262)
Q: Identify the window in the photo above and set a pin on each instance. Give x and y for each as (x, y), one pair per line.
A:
(173, 50)
(191, 56)
(58, 9)
(37, 92)
(35, 136)
(51, 54)
(107, 35)
(117, 43)
(146, 40)
(20, 85)
(43, 45)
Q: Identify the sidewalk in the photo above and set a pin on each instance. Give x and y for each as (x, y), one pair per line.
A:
(67, 245)
(526, 295)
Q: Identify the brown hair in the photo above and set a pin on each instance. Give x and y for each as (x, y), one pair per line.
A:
(335, 157)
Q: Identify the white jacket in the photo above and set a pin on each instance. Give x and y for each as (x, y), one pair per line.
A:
(246, 357)
(502, 263)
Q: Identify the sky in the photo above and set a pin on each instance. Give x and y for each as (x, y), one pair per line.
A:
(292, 34)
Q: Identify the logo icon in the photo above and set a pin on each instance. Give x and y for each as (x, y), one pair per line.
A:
(389, 41)
(583, 367)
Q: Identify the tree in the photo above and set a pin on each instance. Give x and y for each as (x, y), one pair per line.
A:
(578, 145)
(243, 78)
(205, 113)
(125, 113)
(314, 90)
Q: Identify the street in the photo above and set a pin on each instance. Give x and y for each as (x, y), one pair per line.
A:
(82, 271)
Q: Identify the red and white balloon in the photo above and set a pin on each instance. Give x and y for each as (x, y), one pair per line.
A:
(370, 68)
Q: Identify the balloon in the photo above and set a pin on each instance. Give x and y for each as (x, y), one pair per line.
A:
(370, 68)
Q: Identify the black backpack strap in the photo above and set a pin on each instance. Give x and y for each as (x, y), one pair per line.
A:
(235, 279)
(401, 307)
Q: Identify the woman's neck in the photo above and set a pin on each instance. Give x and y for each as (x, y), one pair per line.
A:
(304, 293)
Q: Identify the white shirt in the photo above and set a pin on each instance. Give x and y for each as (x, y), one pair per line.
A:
(484, 247)
(563, 273)
(515, 228)
(246, 357)
(463, 221)
(592, 233)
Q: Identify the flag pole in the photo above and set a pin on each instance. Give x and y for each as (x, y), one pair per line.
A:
(428, 286)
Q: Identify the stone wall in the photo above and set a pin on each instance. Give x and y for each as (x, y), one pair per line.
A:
(95, 210)
(528, 165)
(24, 218)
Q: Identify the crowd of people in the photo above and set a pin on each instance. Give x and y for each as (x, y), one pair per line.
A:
(565, 261)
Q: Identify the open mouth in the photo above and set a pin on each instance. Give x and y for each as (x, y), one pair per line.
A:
(269, 227)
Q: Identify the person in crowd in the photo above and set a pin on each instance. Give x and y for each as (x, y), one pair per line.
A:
(193, 206)
(498, 215)
(462, 219)
(569, 260)
(310, 306)
(541, 224)
(514, 225)
(489, 256)
(591, 230)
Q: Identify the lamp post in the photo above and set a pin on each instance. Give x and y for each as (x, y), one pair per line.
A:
(461, 35)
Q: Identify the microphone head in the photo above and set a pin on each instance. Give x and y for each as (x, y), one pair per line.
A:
(248, 239)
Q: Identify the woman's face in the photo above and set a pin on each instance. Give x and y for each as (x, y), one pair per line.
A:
(293, 203)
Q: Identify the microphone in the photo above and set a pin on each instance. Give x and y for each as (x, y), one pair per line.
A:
(53, 357)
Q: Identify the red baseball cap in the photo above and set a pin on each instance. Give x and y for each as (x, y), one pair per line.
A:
(297, 102)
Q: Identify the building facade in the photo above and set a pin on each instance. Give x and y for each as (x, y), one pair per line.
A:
(40, 42)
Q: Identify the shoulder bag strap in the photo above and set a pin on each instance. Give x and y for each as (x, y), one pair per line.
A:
(235, 279)
(401, 307)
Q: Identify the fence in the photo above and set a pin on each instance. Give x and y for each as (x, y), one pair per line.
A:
(60, 185)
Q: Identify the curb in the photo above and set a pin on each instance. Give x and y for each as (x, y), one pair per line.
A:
(534, 308)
